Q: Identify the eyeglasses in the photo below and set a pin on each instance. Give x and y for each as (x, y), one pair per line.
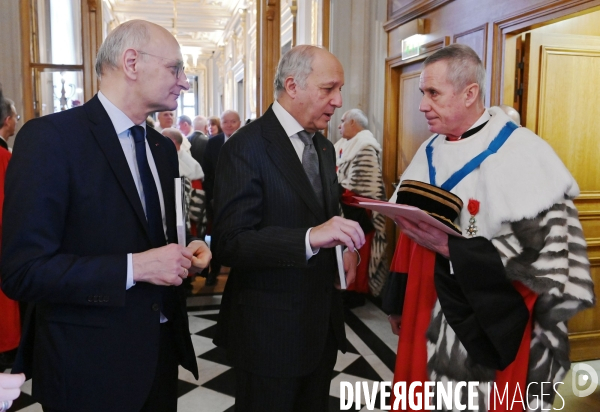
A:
(18, 117)
(178, 67)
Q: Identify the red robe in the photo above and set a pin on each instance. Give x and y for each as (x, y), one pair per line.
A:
(420, 298)
(10, 326)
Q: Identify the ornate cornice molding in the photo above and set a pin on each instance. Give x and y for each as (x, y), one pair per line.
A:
(411, 11)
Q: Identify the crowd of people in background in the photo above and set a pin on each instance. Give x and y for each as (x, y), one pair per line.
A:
(198, 143)
(269, 197)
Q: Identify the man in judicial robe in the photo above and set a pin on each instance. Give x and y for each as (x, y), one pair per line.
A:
(490, 306)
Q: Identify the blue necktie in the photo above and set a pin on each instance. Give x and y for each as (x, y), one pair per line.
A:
(153, 213)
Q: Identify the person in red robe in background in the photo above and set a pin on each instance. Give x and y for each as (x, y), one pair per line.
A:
(10, 325)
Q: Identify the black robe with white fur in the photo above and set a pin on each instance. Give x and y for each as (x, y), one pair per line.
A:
(528, 215)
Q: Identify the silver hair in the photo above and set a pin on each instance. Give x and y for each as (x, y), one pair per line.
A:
(296, 63)
(7, 107)
(173, 134)
(358, 116)
(200, 123)
(464, 66)
(230, 112)
(132, 34)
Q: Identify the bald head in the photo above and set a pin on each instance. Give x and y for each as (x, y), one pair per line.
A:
(140, 66)
(133, 34)
(175, 135)
(200, 123)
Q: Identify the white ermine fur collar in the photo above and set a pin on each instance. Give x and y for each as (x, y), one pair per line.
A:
(350, 148)
(524, 178)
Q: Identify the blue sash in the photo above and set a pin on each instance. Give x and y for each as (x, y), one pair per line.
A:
(472, 164)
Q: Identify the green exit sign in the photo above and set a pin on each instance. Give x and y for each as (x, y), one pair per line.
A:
(411, 46)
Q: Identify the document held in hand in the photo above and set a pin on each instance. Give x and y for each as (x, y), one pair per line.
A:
(394, 210)
(179, 216)
(340, 265)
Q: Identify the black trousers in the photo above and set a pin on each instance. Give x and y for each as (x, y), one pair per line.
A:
(254, 393)
(163, 394)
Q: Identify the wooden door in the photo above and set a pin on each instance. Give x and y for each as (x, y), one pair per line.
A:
(560, 103)
(411, 128)
(412, 125)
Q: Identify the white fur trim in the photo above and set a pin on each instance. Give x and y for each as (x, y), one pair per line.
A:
(351, 147)
(523, 179)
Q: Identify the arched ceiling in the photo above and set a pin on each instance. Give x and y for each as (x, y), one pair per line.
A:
(198, 25)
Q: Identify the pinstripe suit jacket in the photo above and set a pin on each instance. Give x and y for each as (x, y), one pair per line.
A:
(277, 307)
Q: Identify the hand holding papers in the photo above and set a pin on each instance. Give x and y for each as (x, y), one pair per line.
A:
(425, 213)
(411, 213)
(201, 254)
(337, 232)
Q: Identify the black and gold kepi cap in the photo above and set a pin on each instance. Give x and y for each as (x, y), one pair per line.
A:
(437, 202)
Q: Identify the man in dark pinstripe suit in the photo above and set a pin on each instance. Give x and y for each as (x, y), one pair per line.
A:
(275, 226)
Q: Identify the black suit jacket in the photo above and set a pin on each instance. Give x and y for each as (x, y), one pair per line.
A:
(211, 156)
(277, 308)
(198, 140)
(71, 215)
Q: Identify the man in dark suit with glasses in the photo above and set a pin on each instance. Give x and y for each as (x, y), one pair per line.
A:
(90, 238)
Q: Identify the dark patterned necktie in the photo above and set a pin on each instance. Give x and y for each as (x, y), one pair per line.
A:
(153, 213)
(310, 163)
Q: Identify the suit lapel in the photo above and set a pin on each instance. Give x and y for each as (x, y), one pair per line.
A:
(167, 179)
(104, 133)
(284, 156)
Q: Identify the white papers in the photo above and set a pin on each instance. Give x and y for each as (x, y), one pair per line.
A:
(394, 210)
(179, 218)
(340, 265)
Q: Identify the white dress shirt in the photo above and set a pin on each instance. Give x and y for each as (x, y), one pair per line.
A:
(292, 127)
(122, 124)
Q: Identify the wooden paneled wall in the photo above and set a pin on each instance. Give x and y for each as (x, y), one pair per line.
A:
(269, 51)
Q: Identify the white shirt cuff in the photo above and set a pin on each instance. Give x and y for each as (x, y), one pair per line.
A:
(130, 281)
(310, 252)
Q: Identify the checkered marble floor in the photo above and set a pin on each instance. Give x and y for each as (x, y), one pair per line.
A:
(370, 357)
